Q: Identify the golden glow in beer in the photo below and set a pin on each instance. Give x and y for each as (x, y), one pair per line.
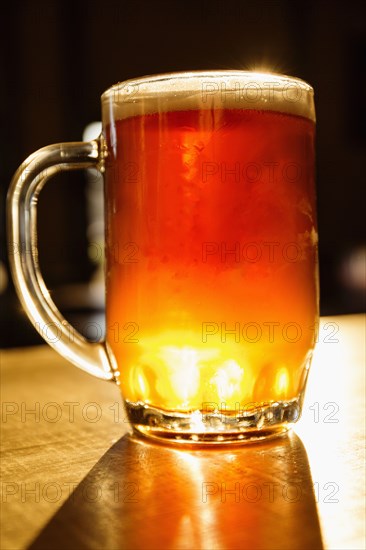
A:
(211, 256)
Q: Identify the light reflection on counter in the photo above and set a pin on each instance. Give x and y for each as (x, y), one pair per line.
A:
(332, 429)
(199, 528)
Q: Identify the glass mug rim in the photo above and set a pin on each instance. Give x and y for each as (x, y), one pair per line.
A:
(244, 75)
(144, 95)
(223, 89)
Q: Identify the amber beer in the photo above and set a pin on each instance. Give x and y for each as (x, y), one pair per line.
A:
(211, 252)
(211, 262)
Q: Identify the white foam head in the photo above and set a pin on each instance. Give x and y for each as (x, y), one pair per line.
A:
(208, 90)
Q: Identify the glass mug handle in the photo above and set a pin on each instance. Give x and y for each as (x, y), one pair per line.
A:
(22, 231)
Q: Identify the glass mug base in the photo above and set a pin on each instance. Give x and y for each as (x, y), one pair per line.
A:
(269, 420)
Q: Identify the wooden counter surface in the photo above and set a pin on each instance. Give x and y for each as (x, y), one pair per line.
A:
(72, 476)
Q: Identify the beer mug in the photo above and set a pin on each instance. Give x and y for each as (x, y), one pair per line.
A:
(211, 252)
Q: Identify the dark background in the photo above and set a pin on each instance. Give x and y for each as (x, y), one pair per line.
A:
(58, 57)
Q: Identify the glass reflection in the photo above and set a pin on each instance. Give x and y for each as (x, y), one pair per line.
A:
(154, 496)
